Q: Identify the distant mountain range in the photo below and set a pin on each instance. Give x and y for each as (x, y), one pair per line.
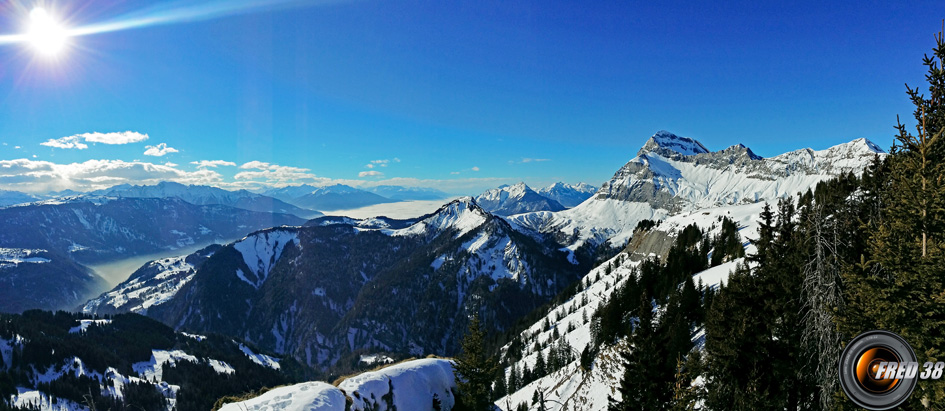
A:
(408, 193)
(206, 195)
(42, 245)
(515, 199)
(335, 197)
(8, 198)
(568, 195)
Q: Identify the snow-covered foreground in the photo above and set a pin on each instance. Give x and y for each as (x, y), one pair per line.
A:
(313, 395)
(411, 385)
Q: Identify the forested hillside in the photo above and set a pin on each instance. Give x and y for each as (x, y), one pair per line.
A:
(859, 252)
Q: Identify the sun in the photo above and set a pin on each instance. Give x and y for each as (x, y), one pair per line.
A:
(46, 35)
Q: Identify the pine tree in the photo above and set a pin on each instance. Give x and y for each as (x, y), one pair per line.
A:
(898, 285)
(540, 365)
(738, 347)
(644, 387)
(475, 370)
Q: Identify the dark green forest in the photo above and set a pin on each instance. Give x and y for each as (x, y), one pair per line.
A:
(45, 342)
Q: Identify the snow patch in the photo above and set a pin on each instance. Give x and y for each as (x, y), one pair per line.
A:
(84, 325)
(414, 384)
(261, 359)
(307, 396)
(261, 251)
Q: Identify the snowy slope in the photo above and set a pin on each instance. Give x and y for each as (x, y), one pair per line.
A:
(515, 199)
(413, 384)
(143, 293)
(410, 385)
(462, 215)
(573, 388)
(260, 252)
(153, 284)
(673, 174)
(261, 359)
(16, 256)
(307, 396)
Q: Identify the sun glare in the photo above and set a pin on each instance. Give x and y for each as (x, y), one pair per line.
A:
(46, 35)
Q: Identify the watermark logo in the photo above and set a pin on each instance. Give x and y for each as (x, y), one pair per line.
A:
(879, 370)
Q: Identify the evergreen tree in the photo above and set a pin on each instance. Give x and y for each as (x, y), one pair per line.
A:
(644, 387)
(476, 370)
(738, 347)
(897, 286)
(540, 365)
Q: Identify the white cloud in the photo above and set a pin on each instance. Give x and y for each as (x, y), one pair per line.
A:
(536, 160)
(65, 142)
(124, 137)
(76, 140)
(42, 176)
(454, 172)
(39, 176)
(381, 163)
(474, 168)
(17, 147)
(170, 164)
(159, 150)
(255, 165)
(371, 173)
(212, 163)
(274, 174)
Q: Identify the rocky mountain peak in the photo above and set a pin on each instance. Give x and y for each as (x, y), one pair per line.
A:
(664, 142)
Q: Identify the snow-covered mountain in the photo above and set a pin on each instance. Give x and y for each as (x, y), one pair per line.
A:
(313, 291)
(8, 198)
(515, 199)
(206, 195)
(153, 284)
(39, 278)
(334, 197)
(672, 174)
(568, 195)
(412, 385)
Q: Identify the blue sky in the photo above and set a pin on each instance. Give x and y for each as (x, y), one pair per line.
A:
(458, 95)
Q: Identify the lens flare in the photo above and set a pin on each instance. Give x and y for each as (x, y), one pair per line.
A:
(46, 35)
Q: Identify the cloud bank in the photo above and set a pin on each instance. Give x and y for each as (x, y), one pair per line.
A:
(77, 141)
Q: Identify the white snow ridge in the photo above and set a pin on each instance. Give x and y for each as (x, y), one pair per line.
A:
(261, 251)
(410, 385)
